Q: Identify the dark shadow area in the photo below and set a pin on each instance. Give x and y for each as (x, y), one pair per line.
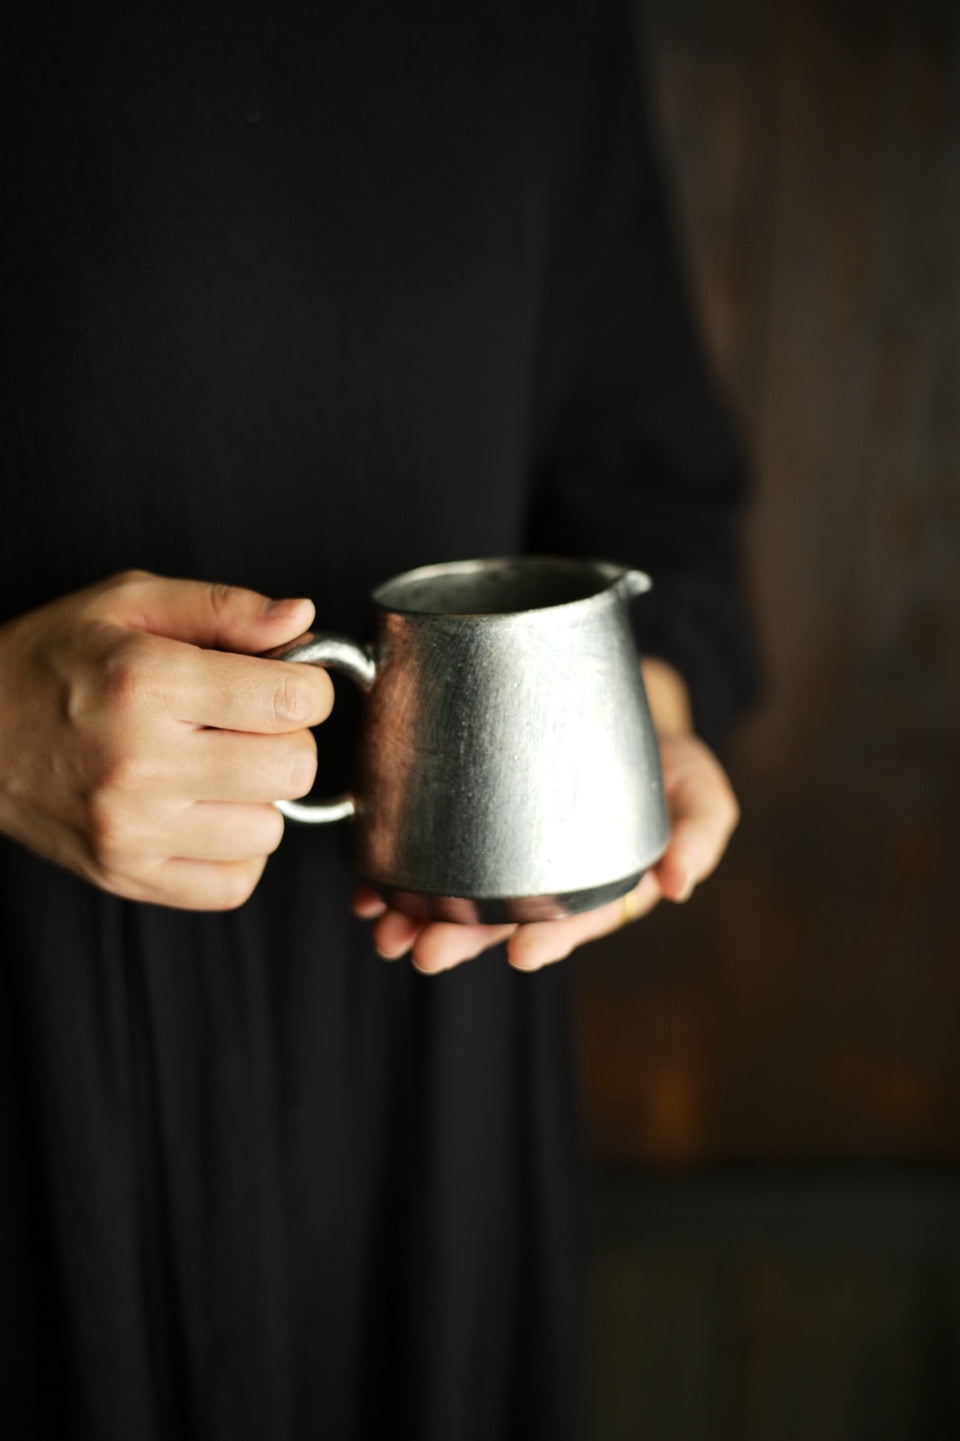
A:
(762, 1303)
(771, 1075)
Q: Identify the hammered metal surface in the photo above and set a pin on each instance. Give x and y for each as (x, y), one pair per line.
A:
(507, 756)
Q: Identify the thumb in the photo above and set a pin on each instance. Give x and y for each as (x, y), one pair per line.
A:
(219, 617)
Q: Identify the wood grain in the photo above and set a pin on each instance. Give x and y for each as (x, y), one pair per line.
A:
(807, 1002)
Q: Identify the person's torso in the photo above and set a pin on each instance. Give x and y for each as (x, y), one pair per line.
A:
(268, 285)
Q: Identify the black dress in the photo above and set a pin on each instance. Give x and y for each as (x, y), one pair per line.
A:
(297, 296)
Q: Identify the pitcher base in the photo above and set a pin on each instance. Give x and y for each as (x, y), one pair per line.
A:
(502, 910)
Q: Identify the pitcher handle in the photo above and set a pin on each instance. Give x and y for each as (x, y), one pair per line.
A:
(335, 652)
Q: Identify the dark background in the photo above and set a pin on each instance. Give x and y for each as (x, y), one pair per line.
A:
(771, 1074)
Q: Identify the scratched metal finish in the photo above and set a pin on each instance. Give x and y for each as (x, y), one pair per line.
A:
(508, 767)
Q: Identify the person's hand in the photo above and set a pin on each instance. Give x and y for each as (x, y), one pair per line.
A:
(140, 754)
(703, 813)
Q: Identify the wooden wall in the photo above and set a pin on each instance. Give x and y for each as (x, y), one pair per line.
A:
(806, 1003)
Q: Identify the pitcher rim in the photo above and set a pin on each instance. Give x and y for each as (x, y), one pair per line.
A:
(610, 576)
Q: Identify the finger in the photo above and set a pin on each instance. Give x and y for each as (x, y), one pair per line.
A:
(225, 617)
(542, 942)
(443, 944)
(227, 766)
(677, 868)
(367, 905)
(211, 831)
(203, 885)
(246, 693)
(394, 934)
(705, 813)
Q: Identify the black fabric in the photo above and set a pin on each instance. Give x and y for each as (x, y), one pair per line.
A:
(298, 296)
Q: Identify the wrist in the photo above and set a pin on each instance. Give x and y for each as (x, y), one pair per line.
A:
(668, 694)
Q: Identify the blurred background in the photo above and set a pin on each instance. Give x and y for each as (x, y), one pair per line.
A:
(771, 1074)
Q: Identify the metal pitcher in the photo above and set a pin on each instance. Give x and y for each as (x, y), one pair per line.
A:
(507, 765)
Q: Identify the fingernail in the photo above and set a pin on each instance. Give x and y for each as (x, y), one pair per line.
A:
(391, 955)
(370, 910)
(395, 945)
(399, 940)
(528, 959)
(283, 609)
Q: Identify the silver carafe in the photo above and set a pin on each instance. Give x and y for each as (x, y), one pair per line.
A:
(507, 767)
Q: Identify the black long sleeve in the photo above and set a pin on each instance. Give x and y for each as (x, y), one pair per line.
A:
(635, 454)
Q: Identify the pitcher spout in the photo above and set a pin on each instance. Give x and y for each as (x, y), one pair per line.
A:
(632, 583)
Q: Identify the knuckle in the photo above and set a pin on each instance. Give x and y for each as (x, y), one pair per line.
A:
(130, 577)
(225, 600)
(114, 598)
(292, 701)
(136, 575)
(108, 830)
(119, 771)
(107, 879)
(126, 677)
